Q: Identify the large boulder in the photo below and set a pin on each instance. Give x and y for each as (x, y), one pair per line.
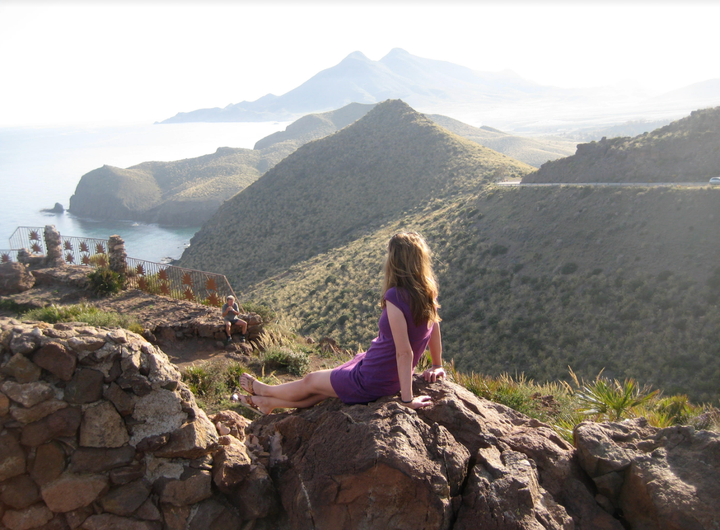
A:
(666, 479)
(15, 278)
(463, 462)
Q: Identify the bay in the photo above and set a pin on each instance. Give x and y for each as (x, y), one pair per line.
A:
(42, 166)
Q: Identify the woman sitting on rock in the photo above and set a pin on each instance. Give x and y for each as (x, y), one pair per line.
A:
(408, 325)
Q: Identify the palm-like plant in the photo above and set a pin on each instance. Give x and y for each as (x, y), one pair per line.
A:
(604, 399)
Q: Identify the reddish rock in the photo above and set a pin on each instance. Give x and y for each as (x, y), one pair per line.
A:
(107, 521)
(77, 517)
(86, 386)
(22, 369)
(56, 359)
(38, 412)
(395, 469)
(27, 394)
(32, 517)
(15, 278)
(123, 475)
(23, 344)
(4, 405)
(153, 443)
(664, 479)
(49, 463)
(255, 497)
(70, 492)
(213, 514)
(503, 492)
(86, 343)
(149, 512)
(231, 465)
(102, 426)
(99, 460)
(234, 422)
(126, 499)
(19, 492)
(12, 457)
(124, 402)
(193, 486)
(192, 440)
(175, 517)
(117, 336)
(64, 422)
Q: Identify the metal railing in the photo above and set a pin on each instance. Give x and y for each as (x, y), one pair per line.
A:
(156, 278)
(177, 282)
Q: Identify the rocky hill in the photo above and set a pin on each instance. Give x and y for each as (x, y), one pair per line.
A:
(340, 188)
(687, 150)
(180, 193)
(532, 151)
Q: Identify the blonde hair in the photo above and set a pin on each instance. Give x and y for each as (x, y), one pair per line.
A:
(408, 266)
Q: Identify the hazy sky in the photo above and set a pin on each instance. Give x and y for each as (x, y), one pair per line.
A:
(95, 62)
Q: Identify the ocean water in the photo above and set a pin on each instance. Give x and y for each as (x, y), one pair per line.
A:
(42, 166)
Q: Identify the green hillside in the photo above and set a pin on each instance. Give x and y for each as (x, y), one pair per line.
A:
(181, 193)
(332, 191)
(535, 279)
(687, 150)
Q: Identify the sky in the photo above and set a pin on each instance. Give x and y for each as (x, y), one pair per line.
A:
(140, 62)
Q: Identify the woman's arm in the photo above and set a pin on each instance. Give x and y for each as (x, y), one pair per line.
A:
(404, 356)
(437, 371)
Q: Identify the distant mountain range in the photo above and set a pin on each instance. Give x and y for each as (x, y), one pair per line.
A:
(686, 150)
(502, 99)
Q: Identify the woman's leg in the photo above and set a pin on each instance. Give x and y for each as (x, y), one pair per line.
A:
(267, 404)
(313, 384)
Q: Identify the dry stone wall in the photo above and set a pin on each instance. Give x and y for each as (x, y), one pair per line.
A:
(97, 431)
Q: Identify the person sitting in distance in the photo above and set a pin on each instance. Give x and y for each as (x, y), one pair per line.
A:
(230, 312)
(409, 324)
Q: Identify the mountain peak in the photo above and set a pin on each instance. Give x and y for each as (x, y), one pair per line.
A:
(397, 52)
(356, 56)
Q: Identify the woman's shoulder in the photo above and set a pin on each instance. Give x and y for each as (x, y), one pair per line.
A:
(397, 295)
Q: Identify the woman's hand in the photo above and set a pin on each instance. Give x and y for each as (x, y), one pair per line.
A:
(419, 402)
(433, 374)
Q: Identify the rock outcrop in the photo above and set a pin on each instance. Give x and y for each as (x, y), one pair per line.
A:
(665, 479)
(463, 463)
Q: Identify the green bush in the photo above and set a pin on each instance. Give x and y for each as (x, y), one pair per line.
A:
(568, 268)
(296, 363)
(106, 282)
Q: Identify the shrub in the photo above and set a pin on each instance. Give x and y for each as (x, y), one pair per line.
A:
(568, 268)
(106, 282)
(296, 363)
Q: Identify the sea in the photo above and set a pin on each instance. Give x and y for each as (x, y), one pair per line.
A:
(42, 166)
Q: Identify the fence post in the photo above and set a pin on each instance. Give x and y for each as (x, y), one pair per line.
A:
(117, 255)
(53, 244)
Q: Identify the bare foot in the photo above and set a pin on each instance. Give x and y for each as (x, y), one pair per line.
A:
(257, 403)
(247, 383)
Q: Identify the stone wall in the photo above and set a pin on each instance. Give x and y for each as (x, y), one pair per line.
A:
(97, 431)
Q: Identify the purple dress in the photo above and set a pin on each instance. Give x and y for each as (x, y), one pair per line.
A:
(373, 374)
